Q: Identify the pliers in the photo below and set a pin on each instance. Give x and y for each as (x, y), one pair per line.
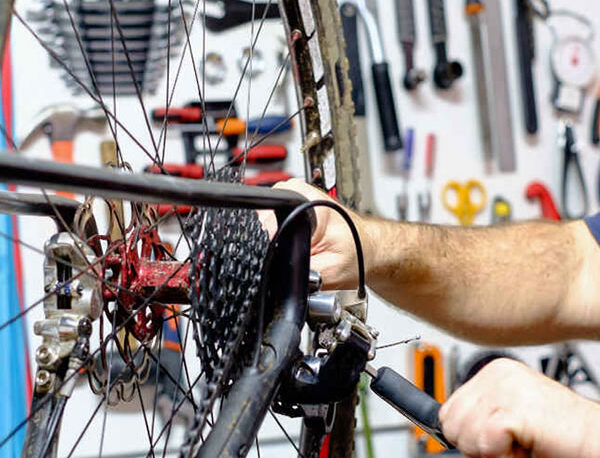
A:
(571, 160)
(231, 13)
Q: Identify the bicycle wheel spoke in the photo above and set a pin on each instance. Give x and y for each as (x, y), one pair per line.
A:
(276, 86)
(285, 433)
(110, 115)
(168, 74)
(86, 427)
(182, 365)
(263, 138)
(108, 385)
(88, 65)
(244, 70)
(143, 410)
(103, 344)
(197, 80)
(133, 78)
(245, 150)
(128, 305)
(156, 379)
(53, 291)
(176, 409)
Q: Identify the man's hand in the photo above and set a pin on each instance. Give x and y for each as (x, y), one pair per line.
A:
(333, 253)
(508, 410)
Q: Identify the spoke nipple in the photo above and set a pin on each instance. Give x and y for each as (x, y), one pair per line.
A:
(312, 140)
(295, 35)
(308, 102)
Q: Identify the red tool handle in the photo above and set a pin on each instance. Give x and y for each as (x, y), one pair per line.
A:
(268, 178)
(193, 171)
(538, 191)
(178, 115)
(429, 155)
(163, 209)
(260, 154)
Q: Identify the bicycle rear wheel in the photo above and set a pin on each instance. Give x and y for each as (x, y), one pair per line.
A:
(325, 112)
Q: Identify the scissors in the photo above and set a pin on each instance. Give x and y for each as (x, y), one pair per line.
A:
(464, 209)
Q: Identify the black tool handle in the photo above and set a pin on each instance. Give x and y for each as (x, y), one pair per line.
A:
(526, 46)
(595, 120)
(386, 106)
(410, 401)
(350, 26)
(437, 21)
(192, 152)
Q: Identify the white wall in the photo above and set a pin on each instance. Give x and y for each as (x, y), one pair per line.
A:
(452, 116)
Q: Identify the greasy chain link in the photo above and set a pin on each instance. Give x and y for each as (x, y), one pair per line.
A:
(229, 246)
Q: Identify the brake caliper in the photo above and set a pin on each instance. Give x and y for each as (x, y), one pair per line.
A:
(73, 298)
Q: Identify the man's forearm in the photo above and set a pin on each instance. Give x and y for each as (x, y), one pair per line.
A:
(525, 283)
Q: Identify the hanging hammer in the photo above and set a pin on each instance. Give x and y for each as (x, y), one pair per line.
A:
(60, 123)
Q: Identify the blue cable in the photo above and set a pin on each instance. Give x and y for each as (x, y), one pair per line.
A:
(13, 408)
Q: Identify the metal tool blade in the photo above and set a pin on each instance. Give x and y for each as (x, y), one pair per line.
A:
(502, 135)
(477, 46)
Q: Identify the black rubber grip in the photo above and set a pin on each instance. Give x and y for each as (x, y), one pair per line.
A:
(350, 26)
(525, 46)
(410, 401)
(386, 107)
(595, 126)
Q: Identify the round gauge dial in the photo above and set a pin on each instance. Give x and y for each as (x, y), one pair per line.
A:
(573, 62)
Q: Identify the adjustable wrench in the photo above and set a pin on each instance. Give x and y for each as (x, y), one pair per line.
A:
(406, 32)
(445, 72)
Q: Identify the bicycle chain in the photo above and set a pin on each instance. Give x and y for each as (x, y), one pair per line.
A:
(227, 258)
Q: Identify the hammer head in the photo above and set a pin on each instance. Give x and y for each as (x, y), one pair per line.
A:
(60, 122)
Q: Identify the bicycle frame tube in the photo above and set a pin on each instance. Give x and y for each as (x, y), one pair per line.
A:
(148, 188)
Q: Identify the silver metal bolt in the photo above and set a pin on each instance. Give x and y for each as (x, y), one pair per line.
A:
(43, 380)
(43, 355)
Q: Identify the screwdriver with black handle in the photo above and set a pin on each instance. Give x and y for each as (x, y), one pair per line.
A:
(410, 401)
(526, 48)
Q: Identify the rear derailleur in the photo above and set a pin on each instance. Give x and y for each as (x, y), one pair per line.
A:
(342, 344)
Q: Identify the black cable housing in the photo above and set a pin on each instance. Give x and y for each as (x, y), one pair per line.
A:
(295, 214)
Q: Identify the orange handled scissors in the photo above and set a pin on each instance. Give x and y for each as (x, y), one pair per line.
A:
(464, 208)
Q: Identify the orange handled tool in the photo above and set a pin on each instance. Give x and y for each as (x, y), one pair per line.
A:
(429, 376)
(62, 151)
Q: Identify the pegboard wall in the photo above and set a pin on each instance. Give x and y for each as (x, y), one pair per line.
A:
(450, 115)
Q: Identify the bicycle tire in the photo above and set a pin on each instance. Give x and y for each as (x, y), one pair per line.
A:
(5, 16)
(321, 146)
(329, 28)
